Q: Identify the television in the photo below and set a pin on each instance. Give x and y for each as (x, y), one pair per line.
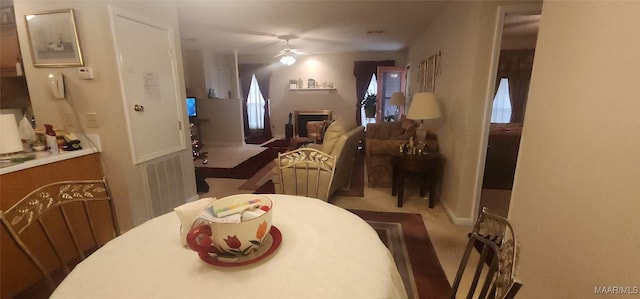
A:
(191, 107)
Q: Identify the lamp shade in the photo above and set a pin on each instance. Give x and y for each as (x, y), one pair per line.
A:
(9, 136)
(424, 106)
(397, 99)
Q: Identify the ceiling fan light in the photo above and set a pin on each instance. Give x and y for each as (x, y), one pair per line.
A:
(287, 60)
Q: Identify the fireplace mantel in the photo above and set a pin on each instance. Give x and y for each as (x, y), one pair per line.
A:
(302, 117)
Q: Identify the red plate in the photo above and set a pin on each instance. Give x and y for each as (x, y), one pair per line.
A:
(271, 243)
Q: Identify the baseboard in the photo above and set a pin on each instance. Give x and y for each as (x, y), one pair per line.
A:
(455, 219)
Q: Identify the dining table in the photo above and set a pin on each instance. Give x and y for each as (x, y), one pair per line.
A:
(318, 250)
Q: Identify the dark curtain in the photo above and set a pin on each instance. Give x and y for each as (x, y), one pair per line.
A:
(516, 66)
(263, 76)
(363, 70)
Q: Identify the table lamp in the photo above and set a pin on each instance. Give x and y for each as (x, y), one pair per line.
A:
(397, 99)
(10, 142)
(423, 106)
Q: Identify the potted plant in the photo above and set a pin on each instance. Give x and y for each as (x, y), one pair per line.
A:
(369, 104)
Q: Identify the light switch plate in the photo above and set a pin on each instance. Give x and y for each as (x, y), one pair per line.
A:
(86, 73)
(91, 119)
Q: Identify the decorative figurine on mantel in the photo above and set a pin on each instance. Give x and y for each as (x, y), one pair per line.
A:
(288, 128)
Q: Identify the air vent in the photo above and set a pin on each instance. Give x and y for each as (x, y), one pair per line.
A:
(165, 185)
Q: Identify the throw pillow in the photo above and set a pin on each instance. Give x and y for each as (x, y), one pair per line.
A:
(331, 136)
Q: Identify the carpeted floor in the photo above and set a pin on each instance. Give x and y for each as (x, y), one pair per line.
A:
(406, 237)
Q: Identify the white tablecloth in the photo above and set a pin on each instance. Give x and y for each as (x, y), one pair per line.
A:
(326, 252)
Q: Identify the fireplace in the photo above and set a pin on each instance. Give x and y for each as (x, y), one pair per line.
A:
(302, 117)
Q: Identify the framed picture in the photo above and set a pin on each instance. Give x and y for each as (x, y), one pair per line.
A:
(53, 38)
(430, 77)
(422, 76)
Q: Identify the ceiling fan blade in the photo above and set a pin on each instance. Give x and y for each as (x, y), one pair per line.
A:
(298, 52)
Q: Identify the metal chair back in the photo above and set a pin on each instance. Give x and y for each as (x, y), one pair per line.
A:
(306, 172)
(60, 224)
(495, 271)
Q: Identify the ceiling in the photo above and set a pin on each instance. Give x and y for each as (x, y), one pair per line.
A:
(521, 25)
(321, 27)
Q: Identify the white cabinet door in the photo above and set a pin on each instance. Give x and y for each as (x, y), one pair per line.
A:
(149, 82)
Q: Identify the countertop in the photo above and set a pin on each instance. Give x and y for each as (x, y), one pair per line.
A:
(44, 157)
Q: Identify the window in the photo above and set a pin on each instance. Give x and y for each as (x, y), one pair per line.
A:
(372, 89)
(392, 82)
(255, 105)
(501, 112)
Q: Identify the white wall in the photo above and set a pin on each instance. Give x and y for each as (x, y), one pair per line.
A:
(575, 201)
(206, 69)
(463, 33)
(194, 79)
(101, 95)
(220, 122)
(331, 68)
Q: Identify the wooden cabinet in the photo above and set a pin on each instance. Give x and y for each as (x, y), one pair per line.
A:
(10, 54)
(14, 92)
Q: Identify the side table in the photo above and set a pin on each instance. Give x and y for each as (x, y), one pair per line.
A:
(426, 164)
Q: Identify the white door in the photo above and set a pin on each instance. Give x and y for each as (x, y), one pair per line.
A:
(148, 76)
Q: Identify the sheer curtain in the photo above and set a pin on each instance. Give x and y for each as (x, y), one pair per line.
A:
(373, 89)
(255, 106)
(501, 112)
(263, 76)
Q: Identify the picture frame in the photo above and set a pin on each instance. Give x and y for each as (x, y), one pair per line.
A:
(422, 76)
(430, 76)
(53, 39)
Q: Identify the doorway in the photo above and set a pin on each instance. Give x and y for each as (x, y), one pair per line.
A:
(391, 79)
(516, 48)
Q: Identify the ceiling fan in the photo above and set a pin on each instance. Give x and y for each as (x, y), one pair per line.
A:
(287, 54)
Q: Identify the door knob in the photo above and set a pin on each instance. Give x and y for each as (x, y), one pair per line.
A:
(138, 108)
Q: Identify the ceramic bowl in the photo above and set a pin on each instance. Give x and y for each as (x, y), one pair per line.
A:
(236, 239)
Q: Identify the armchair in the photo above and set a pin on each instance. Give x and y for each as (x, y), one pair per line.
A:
(338, 141)
(382, 141)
